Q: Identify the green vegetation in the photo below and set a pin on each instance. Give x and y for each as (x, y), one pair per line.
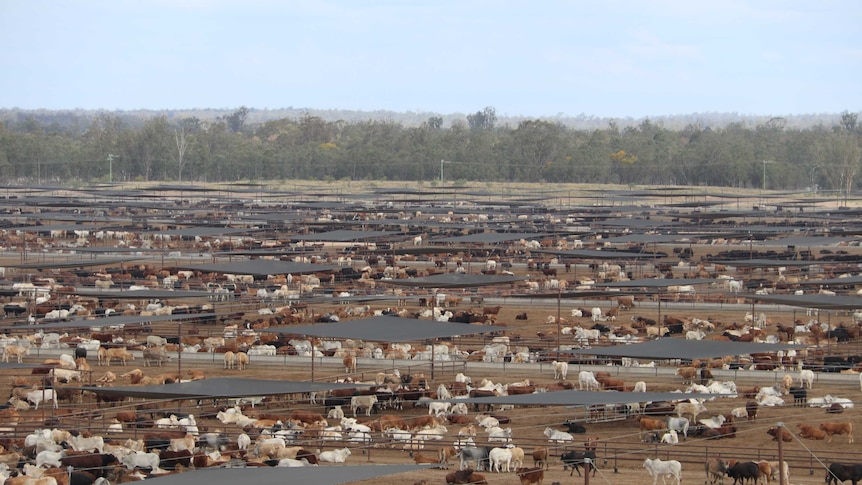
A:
(233, 147)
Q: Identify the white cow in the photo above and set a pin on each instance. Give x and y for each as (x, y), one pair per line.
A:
(497, 457)
(335, 456)
(806, 378)
(556, 436)
(588, 379)
(658, 468)
(561, 369)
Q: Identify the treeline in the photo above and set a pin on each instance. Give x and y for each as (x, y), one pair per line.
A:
(230, 147)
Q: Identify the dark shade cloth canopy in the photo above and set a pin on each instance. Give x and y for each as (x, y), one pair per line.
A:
(343, 235)
(219, 387)
(675, 348)
(204, 231)
(577, 295)
(388, 329)
(260, 267)
(73, 263)
(850, 280)
(454, 280)
(593, 254)
(765, 263)
(581, 398)
(136, 294)
(823, 302)
(655, 283)
(489, 237)
(323, 475)
(116, 321)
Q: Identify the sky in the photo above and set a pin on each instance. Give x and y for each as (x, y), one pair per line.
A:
(618, 58)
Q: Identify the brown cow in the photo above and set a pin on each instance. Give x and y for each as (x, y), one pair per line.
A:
(530, 476)
(783, 433)
(540, 457)
(810, 432)
(838, 428)
(649, 424)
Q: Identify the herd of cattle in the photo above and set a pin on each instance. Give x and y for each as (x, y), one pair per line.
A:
(43, 431)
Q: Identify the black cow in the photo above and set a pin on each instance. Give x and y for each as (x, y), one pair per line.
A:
(574, 428)
(800, 395)
(576, 458)
(841, 472)
(743, 470)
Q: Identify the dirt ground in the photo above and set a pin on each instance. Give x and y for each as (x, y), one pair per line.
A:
(621, 463)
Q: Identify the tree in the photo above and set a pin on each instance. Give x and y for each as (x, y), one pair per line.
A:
(483, 120)
(236, 120)
(181, 141)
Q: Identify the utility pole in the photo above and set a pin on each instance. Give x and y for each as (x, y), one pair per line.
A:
(764, 172)
(441, 169)
(110, 168)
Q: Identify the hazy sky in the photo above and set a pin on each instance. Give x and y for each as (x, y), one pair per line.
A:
(598, 57)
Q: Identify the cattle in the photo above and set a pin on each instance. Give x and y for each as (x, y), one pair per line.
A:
(587, 379)
(650, 424)
(42, 395)
(80, 443)
(838, 428)
(118, 353)
(497, 457)
(555, 436)
(335, 456)
(680, 425)
(751, 410)
(530, 476)
(229, 360)
(576, 458)
(658, 468)
(140, 459)
(690, 409)
(715, 468)
(16, 351)
(25, 480)
(687, 374)
(478, 454)
(800, 395)
(561, 370)
(360, 402)
(810, 432)
(575, 427)
(465, 476)
(742, 471)
(540, 457)
(841, 472)
(169, 459)
(242, 360)
(781, 433)
(155, 356)
(806, 378)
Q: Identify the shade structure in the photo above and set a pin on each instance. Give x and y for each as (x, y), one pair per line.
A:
(455, 280)
(655, 283)
(147, 294)
(389, 329)
(121, 320)
(260, 267)
(74, 263)
(766, 263)
(850, 280)
(324, 475)
(580, 398)
(204, 231)
(823, 302)
(675, 348)
(595, 254)
(343, 235)
(218, 387)
(489, 237)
